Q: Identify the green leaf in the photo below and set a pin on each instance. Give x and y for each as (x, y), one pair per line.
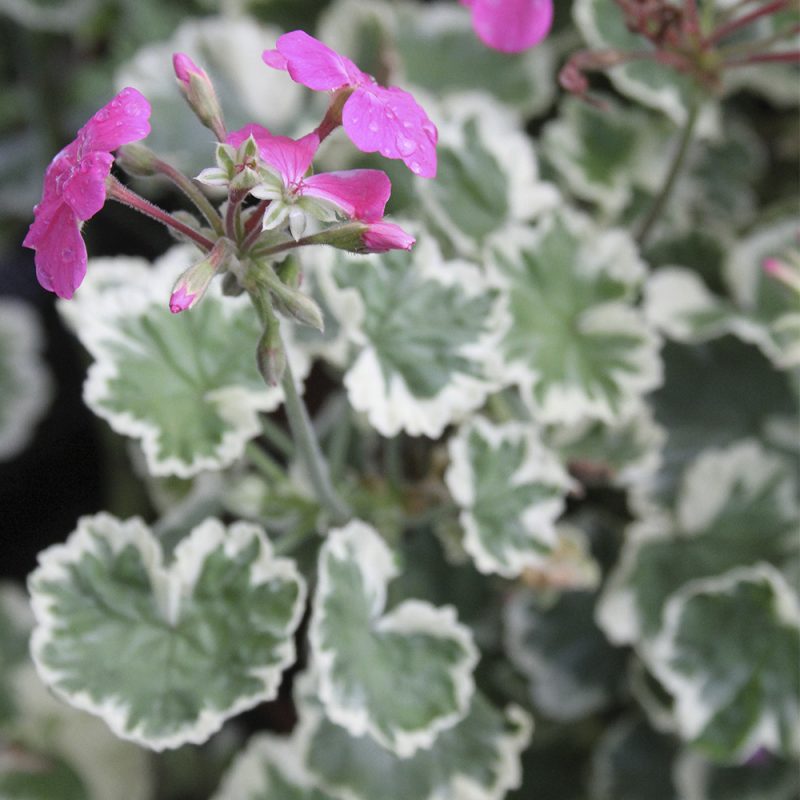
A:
(423, 331)
(186, 384)
(623, 454)
(762, 311)
(603, 153)
(763, 777)
(164, 653)
(58, 749)
(576, 346)
(478, 758)
(25, 385)
(738, 689)
(572, 669)
(487, 177)
(401, 677)
(725, 406)
(602, 24)
(271, 768)
(737, 506)
(631, 762)
(16, 622)
(510, 489)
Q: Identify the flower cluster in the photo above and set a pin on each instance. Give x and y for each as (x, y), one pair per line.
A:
(290, 205)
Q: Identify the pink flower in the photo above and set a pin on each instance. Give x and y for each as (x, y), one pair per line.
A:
(511, 26)
(74, 190)
(380, 237)
(377, 119)
(357, 193)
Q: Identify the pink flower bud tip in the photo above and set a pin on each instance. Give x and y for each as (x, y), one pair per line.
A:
(181, 300)
(380, 237)
(772, 266)
(184, 68)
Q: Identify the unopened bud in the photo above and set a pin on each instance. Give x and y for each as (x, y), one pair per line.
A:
(196, 87)
(270, 355)
(290, 273)
(299, 306)
(364, 237)
(192, 284)
(137, 160)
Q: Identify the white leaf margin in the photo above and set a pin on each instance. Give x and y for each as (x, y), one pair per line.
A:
(706, 486)
(508, 766)
(360, 543)
(539, 466)
(170, 584)
(119, 287)
(692, 713)
(503, 137)
(610, 251)
(396, 409)
(22, 333)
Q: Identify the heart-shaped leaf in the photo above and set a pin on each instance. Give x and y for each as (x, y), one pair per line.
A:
(510, 489)
(402, 676)
(738, 689)
(164, 653)
(423, 330)
(737, 506)
(576, 346)
(477, 758)
(186, 384)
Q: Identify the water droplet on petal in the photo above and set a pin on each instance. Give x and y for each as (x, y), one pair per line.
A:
(101, 115)
(405, 146)
(67, 254)
(132, 109)
(374, 127)
(415, 167)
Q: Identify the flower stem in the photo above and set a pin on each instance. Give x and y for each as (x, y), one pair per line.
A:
(678, 159)
(122, 194)
(188, 187)
(310, 452)
(741, 22)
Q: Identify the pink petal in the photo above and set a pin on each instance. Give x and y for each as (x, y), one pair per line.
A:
(314, 64)
(380, 237)
(511, 25)
(258, 132)
(391, 122)
(85, 188)
(123, 119)
(290, 157)
(181, 300)
(272, 58)
(360, 193)
(60, 251)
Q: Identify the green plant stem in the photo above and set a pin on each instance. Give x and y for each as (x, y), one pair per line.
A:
(291, 540)
(646, 226)
(309, 451)
(265, 464)
(277, 437)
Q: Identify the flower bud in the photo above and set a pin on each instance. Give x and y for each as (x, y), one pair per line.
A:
(293, 303)
(364, 237)
(270, 355)
(137, 160)
(196, 87)
(192, 284)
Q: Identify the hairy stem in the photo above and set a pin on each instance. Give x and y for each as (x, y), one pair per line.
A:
(122, 194)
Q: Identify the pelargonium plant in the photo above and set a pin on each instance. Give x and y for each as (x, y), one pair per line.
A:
(495, 496)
